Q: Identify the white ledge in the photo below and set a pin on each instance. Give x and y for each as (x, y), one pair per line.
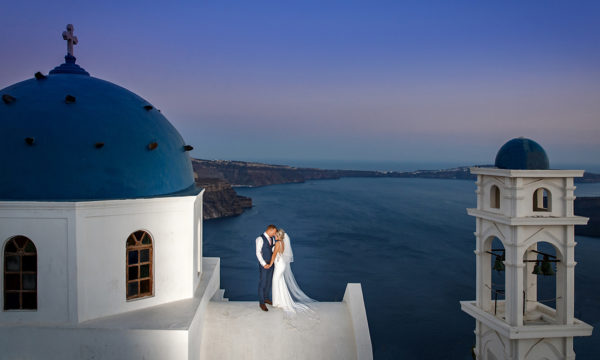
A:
(527, 173)
(578, 328)
(528, 220)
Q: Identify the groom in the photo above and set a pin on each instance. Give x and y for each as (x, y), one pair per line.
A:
(264, 251)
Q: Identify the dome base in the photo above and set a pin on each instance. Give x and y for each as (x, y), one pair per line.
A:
(69, 67)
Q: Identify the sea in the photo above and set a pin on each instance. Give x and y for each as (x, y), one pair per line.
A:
(409, 242)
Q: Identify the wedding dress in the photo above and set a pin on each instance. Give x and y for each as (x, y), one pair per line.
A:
(286, 292)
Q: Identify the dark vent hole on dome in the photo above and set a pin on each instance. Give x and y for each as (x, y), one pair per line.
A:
(188, 148)
(8, 99)
(152, 146)
(29, 140)
(99, 145)
(39, 76)
(69, 99)
(148, 107)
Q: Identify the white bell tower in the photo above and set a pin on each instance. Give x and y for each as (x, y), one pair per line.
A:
(522, 203)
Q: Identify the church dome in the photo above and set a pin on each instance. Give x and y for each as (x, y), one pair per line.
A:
(69, 136)
(523, 154)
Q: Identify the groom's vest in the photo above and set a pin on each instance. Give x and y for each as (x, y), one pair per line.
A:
(267, 251)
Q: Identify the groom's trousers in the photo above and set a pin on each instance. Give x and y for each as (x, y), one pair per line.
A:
(264, 283)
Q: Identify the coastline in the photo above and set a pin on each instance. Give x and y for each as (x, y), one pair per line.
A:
(219, 178)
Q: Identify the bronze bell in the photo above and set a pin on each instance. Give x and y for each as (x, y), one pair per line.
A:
(536, 269)
(498, 264)
(547, 267)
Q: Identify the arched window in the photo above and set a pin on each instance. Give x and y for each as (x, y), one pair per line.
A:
(543, 265)
(542, 200)
(497, 284)
(494, 197)
(20, 274)
(140, 277)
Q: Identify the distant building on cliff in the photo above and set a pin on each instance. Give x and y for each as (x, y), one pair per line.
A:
(101, 235)
(525, 229)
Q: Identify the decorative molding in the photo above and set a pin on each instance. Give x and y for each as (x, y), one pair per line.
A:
(527, 220)
(527, 173)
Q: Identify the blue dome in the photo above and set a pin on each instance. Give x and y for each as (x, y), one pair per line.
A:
(522, 154)
(69, 136)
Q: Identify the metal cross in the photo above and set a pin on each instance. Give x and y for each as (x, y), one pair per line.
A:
(71, 39)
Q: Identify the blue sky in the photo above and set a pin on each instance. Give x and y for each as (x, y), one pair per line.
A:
(420, 81)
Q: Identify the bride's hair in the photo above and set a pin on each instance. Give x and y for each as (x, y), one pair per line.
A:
(280, 233)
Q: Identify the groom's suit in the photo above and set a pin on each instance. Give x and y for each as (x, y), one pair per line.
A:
(264, 252)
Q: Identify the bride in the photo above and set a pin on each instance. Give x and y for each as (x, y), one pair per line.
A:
(286, 292)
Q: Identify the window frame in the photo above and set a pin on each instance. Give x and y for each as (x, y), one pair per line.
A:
(538, 200)
(22, 252)
(135, 244)
(495, 197)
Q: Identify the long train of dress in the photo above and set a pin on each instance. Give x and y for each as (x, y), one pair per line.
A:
(281, 294)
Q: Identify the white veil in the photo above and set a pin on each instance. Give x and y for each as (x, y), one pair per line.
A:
(288, 256)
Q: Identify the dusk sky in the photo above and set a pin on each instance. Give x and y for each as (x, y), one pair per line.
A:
(397, 81)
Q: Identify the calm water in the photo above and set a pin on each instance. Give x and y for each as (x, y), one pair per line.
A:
(408, 241)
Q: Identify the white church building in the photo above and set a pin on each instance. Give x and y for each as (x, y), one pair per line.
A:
(523, 205)
(101, 239)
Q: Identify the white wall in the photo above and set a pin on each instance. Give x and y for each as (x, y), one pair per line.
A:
(353, 297)
(51, 343)
(495, 345)
(103, 229)
(82, 253)
(198, 229)
(518, 186)
(151, 338)
(50, 229)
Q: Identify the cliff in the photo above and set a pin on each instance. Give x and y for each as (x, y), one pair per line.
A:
(220, 199)
(241, 173)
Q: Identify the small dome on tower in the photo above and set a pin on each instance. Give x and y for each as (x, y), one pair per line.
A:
(522, 154)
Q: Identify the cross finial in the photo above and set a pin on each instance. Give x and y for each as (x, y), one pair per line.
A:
(71, 39)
